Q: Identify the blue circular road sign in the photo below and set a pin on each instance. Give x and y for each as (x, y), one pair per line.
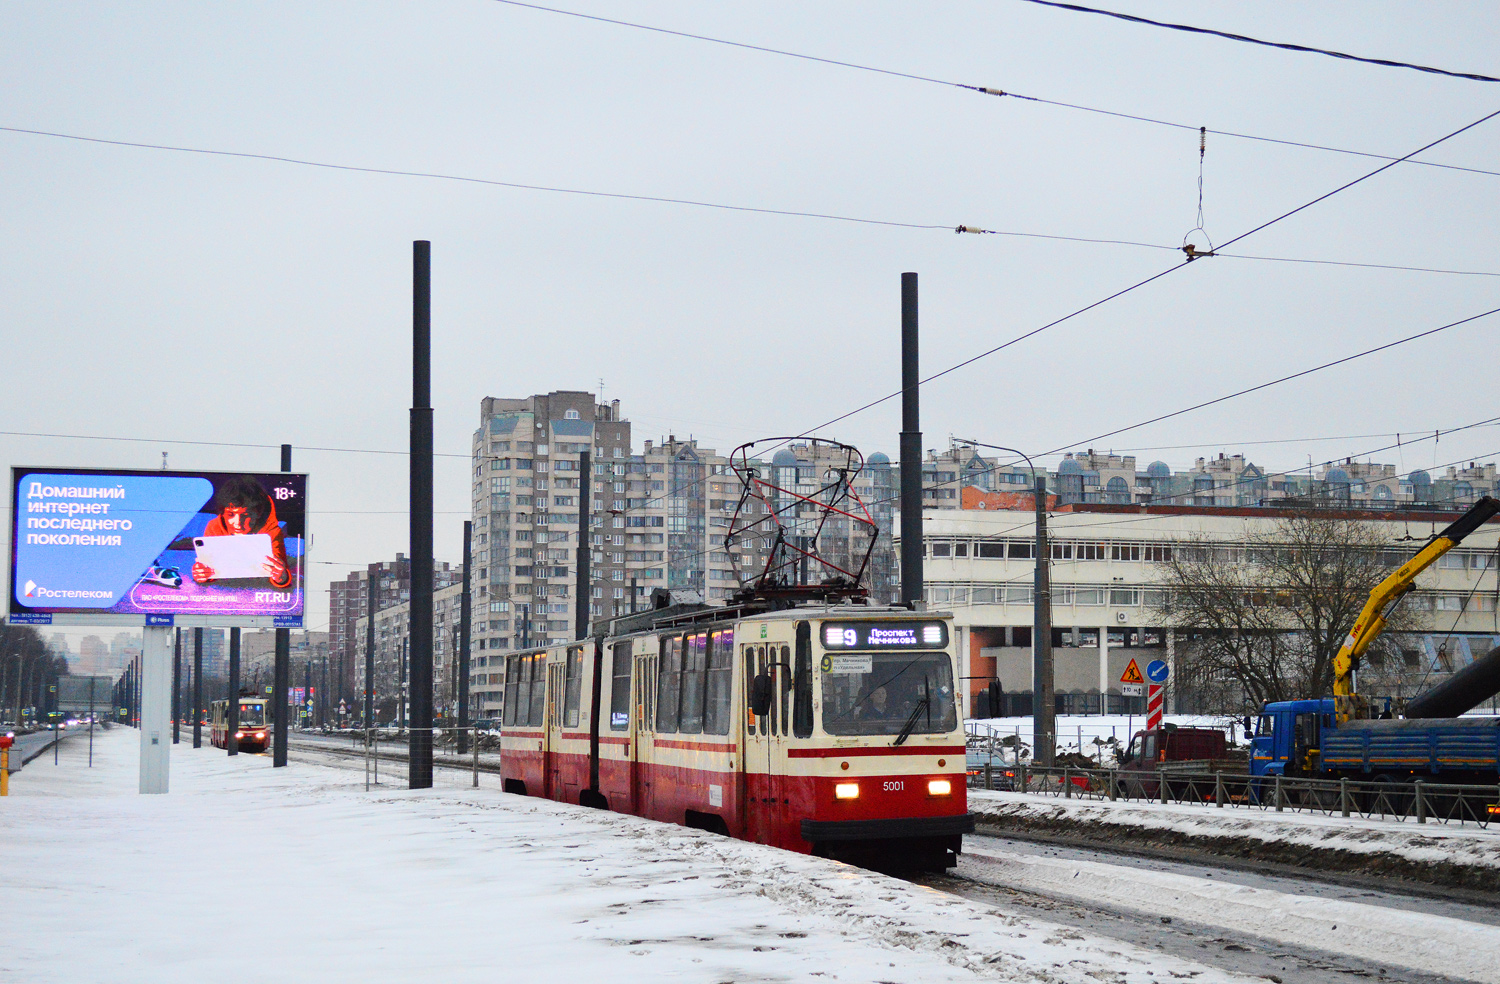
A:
(1157, 671)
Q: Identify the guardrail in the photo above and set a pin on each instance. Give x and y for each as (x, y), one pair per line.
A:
(1424, 802)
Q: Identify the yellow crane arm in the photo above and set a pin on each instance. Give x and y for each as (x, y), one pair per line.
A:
(1387, 593)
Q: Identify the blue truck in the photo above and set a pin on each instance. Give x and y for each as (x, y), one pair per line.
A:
(1304, 738)
(1343, 736)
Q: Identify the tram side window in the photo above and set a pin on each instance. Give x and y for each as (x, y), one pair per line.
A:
(668, 685)
(694, 674)
(619, 688)
(512, 686)
(802, 710)
(720, 682)
(573, 689)
(537, 672)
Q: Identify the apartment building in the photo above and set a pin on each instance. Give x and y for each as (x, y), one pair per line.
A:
(393, 650)
(349, 601)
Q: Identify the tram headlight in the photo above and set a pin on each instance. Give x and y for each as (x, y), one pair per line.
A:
(846, 791)
(939, 787)
(239, 734)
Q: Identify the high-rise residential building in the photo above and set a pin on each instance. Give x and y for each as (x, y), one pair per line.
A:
(526, 487)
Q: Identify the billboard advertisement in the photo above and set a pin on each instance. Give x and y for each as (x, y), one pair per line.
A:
(157, 547)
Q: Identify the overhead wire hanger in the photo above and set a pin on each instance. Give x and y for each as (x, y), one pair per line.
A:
(1190, 248)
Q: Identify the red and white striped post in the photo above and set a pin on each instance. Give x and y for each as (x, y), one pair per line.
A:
(1157, 672)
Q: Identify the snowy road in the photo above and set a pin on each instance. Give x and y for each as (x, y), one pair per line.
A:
(1303, 931)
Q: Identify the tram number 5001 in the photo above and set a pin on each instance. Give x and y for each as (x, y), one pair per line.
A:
(895, 786)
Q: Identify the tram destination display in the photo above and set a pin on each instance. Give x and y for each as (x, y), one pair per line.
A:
(885, 635)
(91, 546)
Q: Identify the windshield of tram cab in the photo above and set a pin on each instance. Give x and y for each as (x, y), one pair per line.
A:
(881, 693)
(252, 715)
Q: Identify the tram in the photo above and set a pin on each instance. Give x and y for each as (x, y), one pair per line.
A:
(825, 729)
(254, 732)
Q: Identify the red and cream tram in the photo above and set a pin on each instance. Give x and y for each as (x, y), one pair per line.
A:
(825, 730)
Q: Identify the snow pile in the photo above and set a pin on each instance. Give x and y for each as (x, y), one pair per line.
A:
(1428, 844)
(301, 874)
(1419, 941)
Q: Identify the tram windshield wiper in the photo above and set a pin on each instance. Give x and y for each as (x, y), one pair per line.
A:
(923, 703)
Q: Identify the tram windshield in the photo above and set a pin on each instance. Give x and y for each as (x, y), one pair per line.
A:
(252, 715)
(888, 694)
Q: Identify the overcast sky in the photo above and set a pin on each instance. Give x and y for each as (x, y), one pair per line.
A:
(171, 298)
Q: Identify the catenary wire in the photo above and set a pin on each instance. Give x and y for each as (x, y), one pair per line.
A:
(791, 213)
(987, 90)
(1285, 46)
(1120, 293)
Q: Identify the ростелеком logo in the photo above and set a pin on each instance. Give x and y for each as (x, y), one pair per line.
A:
(30, 589)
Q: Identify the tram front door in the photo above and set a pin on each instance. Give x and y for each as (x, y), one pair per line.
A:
(763, 797)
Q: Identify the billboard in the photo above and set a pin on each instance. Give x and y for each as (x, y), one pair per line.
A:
(90, 546)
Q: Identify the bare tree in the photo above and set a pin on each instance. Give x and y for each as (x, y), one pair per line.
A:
(1265, 618)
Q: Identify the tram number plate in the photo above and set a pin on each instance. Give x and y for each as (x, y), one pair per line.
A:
(894, 786)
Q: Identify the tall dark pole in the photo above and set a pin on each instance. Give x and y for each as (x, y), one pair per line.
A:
(583, 583)
(370, 648)
(911, 448)
(465, 605)
(197, 688)
(281, 671)
(1044, 707)
(232, 712)
(419, 764)
(176, 686)
(404, 690)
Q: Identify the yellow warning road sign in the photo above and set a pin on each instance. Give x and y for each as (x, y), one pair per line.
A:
(1132, 674)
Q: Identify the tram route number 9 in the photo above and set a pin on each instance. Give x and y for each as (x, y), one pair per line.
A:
(851, 638)
(894, 786)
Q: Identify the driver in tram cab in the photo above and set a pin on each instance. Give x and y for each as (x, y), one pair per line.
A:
(875, 706)
(244, 508)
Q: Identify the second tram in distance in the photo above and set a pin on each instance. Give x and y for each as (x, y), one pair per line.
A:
(830, 730)
(254, 733)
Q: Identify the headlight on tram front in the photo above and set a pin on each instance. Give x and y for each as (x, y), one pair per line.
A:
(846, 791)
(939, 787)
(239, 734)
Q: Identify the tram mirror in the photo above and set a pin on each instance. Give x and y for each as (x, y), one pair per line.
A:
(760, 694)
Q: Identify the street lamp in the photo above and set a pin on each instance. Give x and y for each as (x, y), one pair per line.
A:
(1043, 706)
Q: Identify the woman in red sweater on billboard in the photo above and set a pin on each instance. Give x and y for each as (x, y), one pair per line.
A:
(244, 508)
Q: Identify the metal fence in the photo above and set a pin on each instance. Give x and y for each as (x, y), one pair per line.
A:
(1423, 802)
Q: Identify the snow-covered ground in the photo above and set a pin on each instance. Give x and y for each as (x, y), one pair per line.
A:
(1422, 843)
(298, 873)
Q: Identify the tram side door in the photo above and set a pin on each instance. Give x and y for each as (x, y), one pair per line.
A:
(643, 747)
(765, 759)
(551, 733)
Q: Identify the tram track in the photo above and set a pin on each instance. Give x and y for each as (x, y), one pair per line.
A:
(1023, 876)
(985, 876)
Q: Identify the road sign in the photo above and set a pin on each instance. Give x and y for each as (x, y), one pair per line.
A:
(1133, 689)
(1158, 671)
(1132, 674)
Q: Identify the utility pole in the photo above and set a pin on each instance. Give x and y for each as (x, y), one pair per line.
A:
(197, 688)
(419, 761)
(911, 449)
(370, 648)
(582, 583)
(465, 603)
(1044, 708)
(232, 712)
(281, 671)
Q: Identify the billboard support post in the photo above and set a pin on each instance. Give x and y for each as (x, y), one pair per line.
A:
(419, 762)
(281, 671)
(156, 706)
